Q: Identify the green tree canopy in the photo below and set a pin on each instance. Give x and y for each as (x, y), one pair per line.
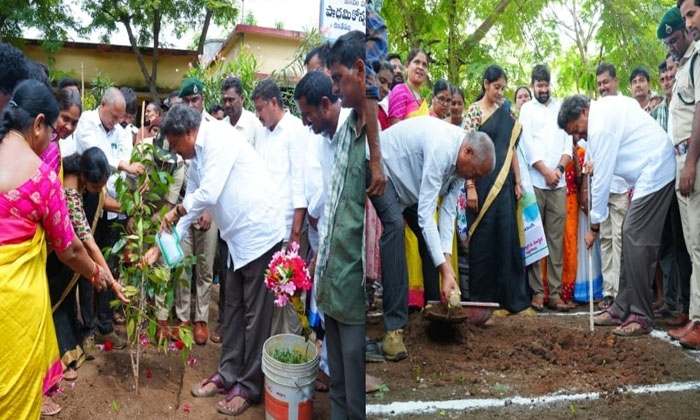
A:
(51, 17)
(463, 37)
(144, 20)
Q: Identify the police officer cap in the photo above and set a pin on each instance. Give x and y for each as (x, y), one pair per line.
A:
(671, 22)
(191, 86)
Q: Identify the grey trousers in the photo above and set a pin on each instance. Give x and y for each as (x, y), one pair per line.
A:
(552, 204)
(248, 317)
(393, 250)
(346, 360)
(641, 236)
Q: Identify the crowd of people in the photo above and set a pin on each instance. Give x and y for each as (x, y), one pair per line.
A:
(390, 194)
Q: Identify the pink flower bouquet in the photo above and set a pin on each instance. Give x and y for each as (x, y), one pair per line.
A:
(287, 275)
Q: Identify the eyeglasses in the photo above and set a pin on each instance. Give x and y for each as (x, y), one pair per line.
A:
(443, 100)
(54, 133)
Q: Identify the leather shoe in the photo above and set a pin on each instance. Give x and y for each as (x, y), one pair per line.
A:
(691, 339)
(200, 332)
(679, 333)
(678, 321)
(216, 335)
(175, 333)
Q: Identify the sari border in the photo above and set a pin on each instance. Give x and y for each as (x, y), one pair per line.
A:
(500, 179)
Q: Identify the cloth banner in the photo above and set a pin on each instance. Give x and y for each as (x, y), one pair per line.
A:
(534, 242)
(582, 274)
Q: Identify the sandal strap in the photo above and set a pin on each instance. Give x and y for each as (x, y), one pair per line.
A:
(216, 380)
(614, 315)
(237, 391)
(632, 318)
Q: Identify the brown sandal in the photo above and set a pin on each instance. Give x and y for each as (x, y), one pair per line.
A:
(537, 303)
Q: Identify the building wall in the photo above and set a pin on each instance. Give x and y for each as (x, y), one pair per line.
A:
(273, 53)
(121, 67)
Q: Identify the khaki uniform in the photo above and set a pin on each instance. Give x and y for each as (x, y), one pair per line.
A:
(683, 104)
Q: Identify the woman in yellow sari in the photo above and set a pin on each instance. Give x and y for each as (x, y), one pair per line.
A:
(32, 212)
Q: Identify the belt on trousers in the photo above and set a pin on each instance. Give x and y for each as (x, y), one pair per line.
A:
(681, 148)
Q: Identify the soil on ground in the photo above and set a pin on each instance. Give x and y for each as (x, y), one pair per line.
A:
(525, 356)
(105, 386)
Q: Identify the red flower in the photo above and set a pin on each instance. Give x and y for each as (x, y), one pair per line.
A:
(148, 373)
(186, 408)
(179, 344)
(108, 345)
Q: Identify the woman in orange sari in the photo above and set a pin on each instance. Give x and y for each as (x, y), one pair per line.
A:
(32, 212)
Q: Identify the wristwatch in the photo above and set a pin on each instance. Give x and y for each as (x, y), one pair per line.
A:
(177, 210)
(561, 168)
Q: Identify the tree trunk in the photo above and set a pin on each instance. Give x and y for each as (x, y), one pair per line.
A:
(203, 35)
(481, 31)
(154, 58)
(453, 64)
(139, 57)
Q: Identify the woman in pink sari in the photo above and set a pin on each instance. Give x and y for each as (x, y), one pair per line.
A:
(32, 212)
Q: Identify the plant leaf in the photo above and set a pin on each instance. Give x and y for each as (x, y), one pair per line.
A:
(130, 327)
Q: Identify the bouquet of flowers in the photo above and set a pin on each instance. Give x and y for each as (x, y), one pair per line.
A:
(287, 276)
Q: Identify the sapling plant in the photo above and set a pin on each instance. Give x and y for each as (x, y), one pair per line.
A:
(149, 288)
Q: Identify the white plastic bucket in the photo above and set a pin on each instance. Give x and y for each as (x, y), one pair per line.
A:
(289, 389)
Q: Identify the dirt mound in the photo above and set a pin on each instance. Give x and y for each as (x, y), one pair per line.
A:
(524, 356)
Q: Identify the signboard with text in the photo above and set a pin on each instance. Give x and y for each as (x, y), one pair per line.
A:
(341, 16)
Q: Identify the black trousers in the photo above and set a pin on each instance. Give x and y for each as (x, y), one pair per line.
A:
(94, 306)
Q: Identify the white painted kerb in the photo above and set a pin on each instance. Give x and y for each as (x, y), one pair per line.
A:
(427, 407)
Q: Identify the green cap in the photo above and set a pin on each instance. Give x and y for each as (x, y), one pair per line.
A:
(191, 86)
(671, 22)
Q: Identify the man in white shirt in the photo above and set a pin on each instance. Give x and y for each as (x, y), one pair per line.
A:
(624, 140)
(240, 118)
(426, 159)
(202, 240)
(611, 228)
(100, 128)
(547, 150)
(244, 122)
(282, 146)
(228, 178)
